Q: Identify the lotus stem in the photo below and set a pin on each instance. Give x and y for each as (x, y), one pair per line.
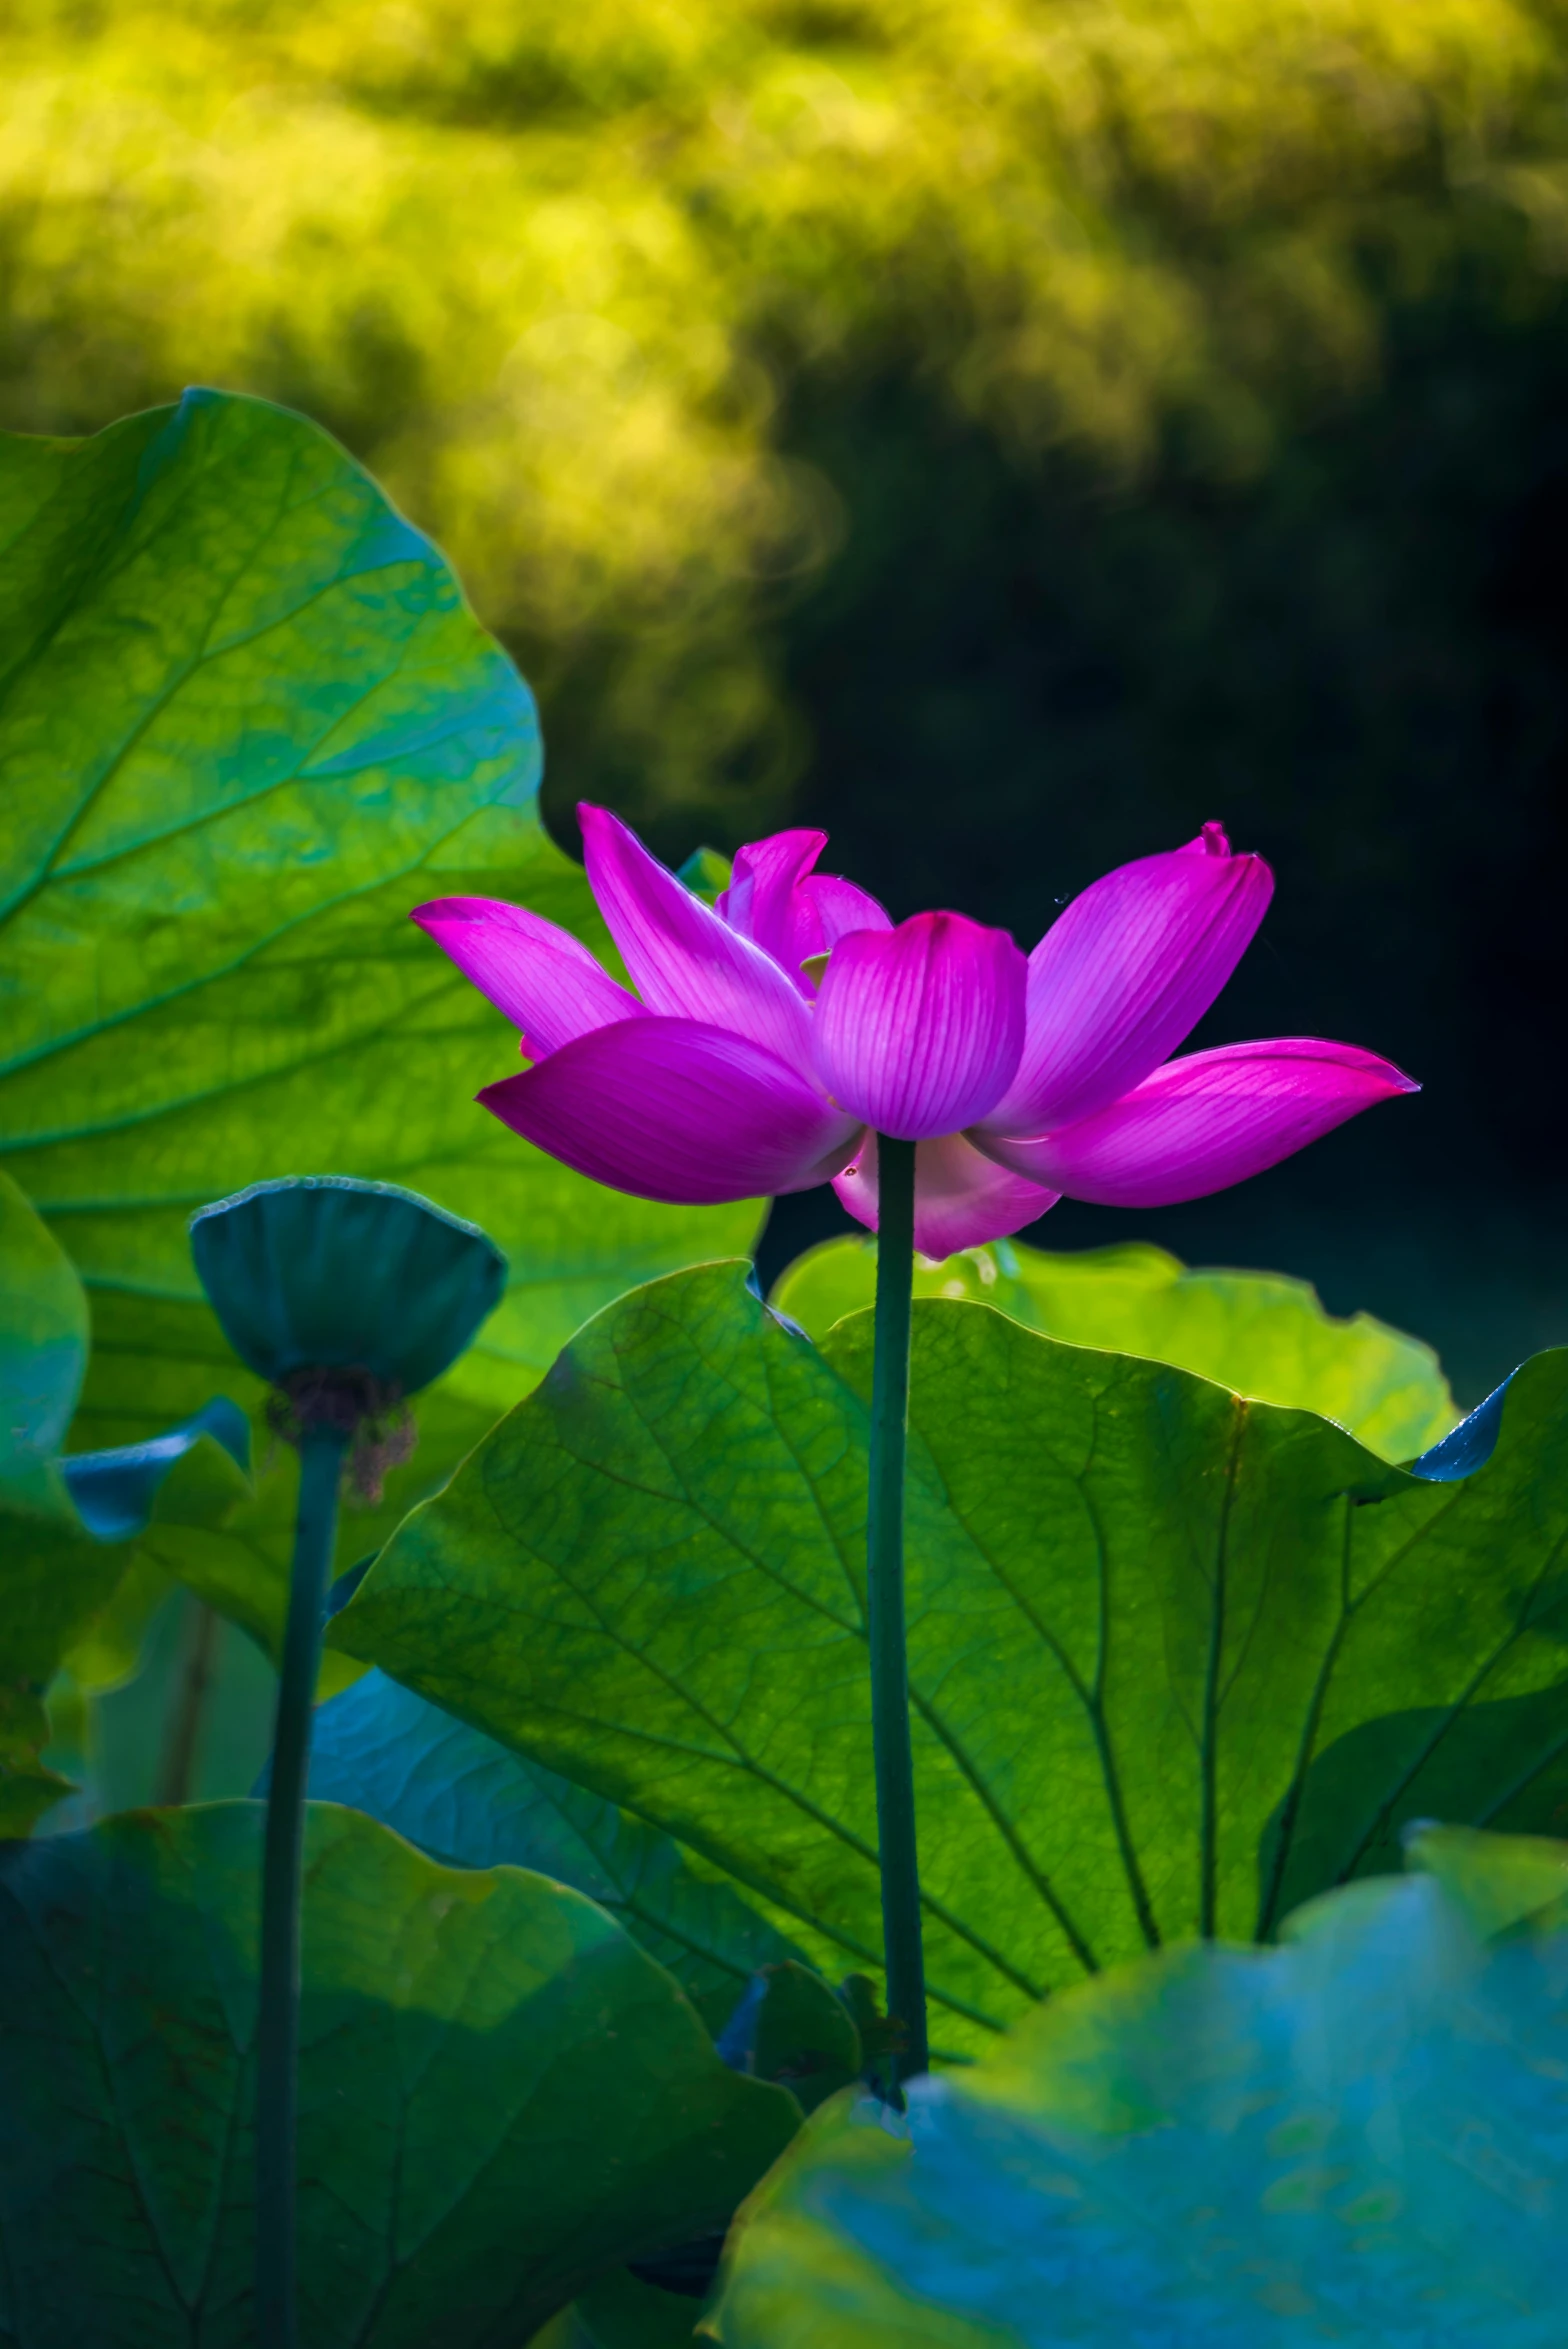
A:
(895, 1771)
(277, 2032)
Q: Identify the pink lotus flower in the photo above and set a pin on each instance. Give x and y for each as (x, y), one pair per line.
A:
(772, 1038)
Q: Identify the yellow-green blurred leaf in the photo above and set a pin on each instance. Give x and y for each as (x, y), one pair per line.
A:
(1258, 1333)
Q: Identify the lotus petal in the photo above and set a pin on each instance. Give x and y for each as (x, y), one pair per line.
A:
(677, 1110)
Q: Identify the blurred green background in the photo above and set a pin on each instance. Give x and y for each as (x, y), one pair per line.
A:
(1007, 432)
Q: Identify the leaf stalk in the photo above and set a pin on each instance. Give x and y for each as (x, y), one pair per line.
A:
(895, 1775)
(277, 2032)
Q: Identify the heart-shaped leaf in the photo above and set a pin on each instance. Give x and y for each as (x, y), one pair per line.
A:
(1142, 1612)
(501, 2096)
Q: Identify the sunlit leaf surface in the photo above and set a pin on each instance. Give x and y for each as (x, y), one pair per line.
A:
(1177, 1660)
(1264, 1335)
(247, 721)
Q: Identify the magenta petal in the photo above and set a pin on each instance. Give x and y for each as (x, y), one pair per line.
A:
(1204, 1122)
(675, 1110)
(765, 903)
(684, 959)
(840, 908)
(544, 979)
(1125, 973)
(775, 899)
(919, 1028)
(961, 1199)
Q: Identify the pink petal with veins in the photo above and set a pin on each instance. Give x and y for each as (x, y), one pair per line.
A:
(677, 1110)
(544, 979)
(961, 1199)
(764, 902)
(840, 908)
(776, 900)
(1204, 1122)
(684, 960)
(919, 1028)
(1125, 973)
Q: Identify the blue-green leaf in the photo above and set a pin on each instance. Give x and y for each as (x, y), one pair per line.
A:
(65, 1523)
(501, 2097)
(115, 1491)
(1361, 2137)
(468, 1800)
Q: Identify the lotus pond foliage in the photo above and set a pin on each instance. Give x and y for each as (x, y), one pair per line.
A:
(898, 1811)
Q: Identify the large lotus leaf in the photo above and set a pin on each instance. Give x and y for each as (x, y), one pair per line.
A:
(65, 1526)
(1140, 1609)
(52, 1573)
(1258, 1332)
(247, 721)
(1360, 2137)
(468, 1800)
(500, 2094)
(620, 2312)
(43, 1353)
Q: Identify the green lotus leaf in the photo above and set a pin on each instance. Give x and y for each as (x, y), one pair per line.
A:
(247, 721)
(43, 1354)
(67, 1525)
(1356, 2137)
(1257, 1332)
(472, 1802)
(114, 1492)
(623, 2312)
(501, 2096)
(1146, 1616)
(801, 2032)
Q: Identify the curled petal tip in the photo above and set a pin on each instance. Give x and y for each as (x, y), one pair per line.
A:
(1125, 972)
(685, 960)
(545, 981)
(1212, 840)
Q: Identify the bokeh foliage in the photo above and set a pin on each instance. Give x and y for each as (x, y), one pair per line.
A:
(558, 275)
